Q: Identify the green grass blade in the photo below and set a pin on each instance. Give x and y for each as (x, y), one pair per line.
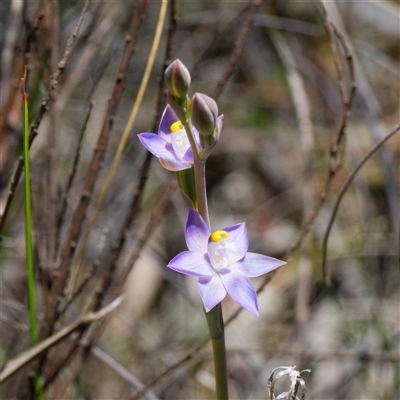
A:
(28, 236)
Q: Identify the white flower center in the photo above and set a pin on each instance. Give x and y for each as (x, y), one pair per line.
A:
(179, 140)
(217, 250)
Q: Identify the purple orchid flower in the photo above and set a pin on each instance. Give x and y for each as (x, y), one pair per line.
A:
(221, 262)
(171, 145)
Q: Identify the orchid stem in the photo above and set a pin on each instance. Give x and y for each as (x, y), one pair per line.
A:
(214, 316)
(199, 176)
(217, 334)
(201, 192)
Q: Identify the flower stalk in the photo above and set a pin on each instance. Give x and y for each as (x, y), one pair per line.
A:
(199, 175)
(214, 317)
(217, 333)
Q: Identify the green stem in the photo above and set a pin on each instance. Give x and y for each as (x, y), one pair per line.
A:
(214, 317)
(217, 334)
(186, 183)
(199, 176)
(28, 241)
(201, 192)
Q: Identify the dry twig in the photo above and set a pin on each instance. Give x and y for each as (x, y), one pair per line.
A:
(337, 147)
(343, 191)
(73, 170)
(43, 108)
(106, 282)
(143, 173)
(27, 356)
(121, 371)
(127, 130)
(93, 170)
(303, 112)
(237, 50)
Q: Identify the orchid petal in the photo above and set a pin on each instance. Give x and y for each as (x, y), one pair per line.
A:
(197, 232)
(157, 145)
(196, 135)
(211, 290)
(237, 242)
(167, 119)
(188, 157)
(173, 165)
(255, 264)
(218, 126)
(241, 290)
(191, 263)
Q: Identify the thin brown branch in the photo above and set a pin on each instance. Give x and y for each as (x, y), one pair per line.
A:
(143, 174)
(51, 197)
(347, 95)
(75, 227)
(90, 273)
(352, 83)
(145, 167)
(362, 356)
(154, 221)
(189, 355)
(72, 173)
(338, 145)
(27, 356)
(105, 285)
(302, 106)
(343, 191)
(124, 138)
(62, 385)
(237, 50)
(18, 62)
(43, 108)
(62, 358)
(162, 89)
(40, 262)
(126, 375)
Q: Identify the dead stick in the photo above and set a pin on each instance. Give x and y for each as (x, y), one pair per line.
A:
(237, 50)
(343, 191)
(27, 356)
(43, 108)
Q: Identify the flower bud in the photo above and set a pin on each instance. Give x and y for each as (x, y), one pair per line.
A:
(203, 113)
(177, 78)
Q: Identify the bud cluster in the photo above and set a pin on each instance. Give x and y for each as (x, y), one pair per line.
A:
(202, 110)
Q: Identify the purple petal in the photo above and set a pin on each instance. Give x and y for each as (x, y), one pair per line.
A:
(157, 145)
(173, 165)
(237, 242)
(255, 264)
(188, 157)
(211, 290)
(220, 121)
(167, 119)
(197, 232)
(241, 290)
(196, 135)
(191, 263)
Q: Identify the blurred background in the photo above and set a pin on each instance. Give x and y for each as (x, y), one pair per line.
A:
(283, 109)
